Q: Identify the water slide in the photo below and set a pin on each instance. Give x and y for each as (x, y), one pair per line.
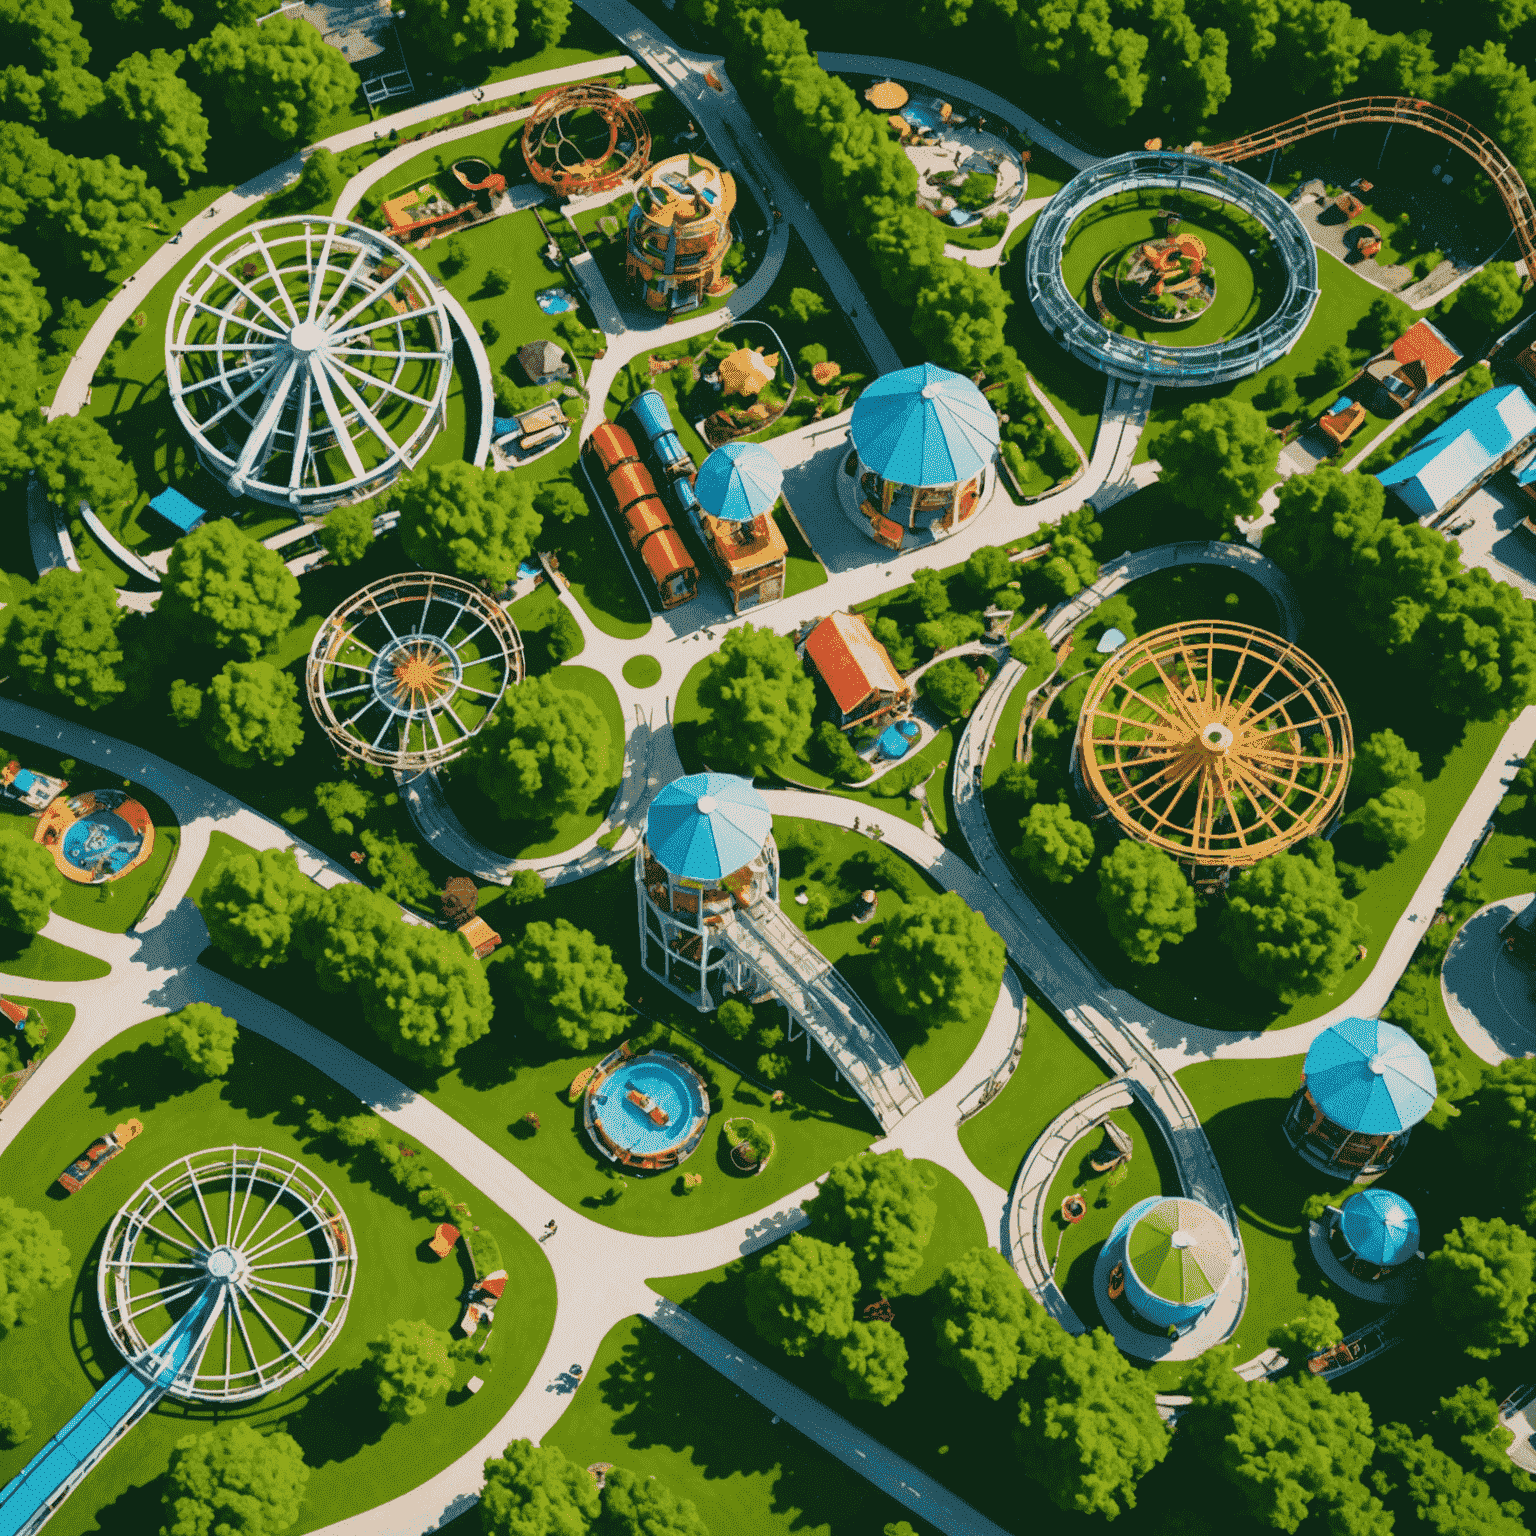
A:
(826, 1008)
(30, 1499)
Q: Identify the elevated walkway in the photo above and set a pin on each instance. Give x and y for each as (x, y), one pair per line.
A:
(826, 1008)
(33, 1496)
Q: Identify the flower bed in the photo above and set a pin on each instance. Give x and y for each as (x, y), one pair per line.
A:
(751, 1144)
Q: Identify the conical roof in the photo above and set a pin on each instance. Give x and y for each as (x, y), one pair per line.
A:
(924, 426)
(1370, 1077)
(1180, 1250)
(707, 825)
(739, 481)
(1381, 1227)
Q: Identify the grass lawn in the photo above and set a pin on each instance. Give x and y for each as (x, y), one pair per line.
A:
(535, 616)
(1055, 1070)
(42, 959)
(63, 1353)
(642, 671)
(513, 1070)
(535, 840)
(220, 847)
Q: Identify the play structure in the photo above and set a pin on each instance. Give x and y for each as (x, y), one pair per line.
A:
(679, 233)
(1395, 112)
(645, 1112)
(1364, 1085)
(924, 444)
(1089, 340)
(97, 836)
(1167, 281)
(309, 360)
(584, 139)
(613, 466)
(421, 213)
(409, 668)
(1219, 744)
(1169, 1258)
(98, 1155)
(480, 1306)
(225, 1277)
(707, 893)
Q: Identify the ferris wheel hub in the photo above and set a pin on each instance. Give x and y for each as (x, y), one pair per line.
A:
(224, 1263)
(1216, 738)
(307, 337)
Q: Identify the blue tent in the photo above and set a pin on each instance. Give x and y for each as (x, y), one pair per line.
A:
(739, 481)
(1370, 1077)
(1381, 1227)
(1462, 451)
(176, 508)
(924, 426)
(707, 825)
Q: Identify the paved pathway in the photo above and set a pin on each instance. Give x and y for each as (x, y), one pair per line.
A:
(1487, 994)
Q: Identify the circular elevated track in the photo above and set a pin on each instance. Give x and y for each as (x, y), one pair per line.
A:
(581, 139)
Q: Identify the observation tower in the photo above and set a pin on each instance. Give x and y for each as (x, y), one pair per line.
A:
(1365, 1084)
(1168, 1260)
(1219, 744)
(310, 361)
(679, 232)
(924, 441)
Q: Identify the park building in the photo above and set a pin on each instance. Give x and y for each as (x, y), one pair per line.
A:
(924, 448)
(1374, 1235)
(1364, 1085)
(679, 233)
(1168, 1259)
(858, 671)
(733, 501)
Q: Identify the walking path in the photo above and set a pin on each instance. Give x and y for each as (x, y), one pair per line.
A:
(1486, 993)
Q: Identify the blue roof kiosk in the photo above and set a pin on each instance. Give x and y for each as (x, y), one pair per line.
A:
(1364, 1086)
(1375, 1233)
(708, 851)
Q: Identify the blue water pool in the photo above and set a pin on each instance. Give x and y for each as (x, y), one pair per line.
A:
(666, 1086)
(555, 301)
(896, 740)
(921, 117)
(101, 838)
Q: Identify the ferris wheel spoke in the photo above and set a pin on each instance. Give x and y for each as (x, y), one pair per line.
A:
(402, 355)
(264, 428)
(338, 424)
(260, 370)
(202, 1205)
(197, 1245)
(245, 1336)
(283, 1285)
(151, 1263)
(384, 384)
(1163, 715)
(226, 1306)
(485, 693)
(301, 429)
(1179, 707)
(309, 1263)
(318, 272)
(168, 1292)
(383, 731)
(276, 1332)
(245, 1239)
(338, 379)
(371, 296)
(277, 1240)
(309, 1310)
(249, 293)
(279, 286)
(224, 318)
(186, 348)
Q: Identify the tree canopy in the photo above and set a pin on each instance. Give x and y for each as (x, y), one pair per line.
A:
(234, 1478)
(202, 1038)
(32, 1258)
(224, 591)
(1481, 1280)
(644, 1506)
(1217, 458)
(257, 904)
(870, 1363)
(425, 995)
(281, 77)
(30, 882)
(1056, 845)
(987, 1326)
(1394, 818)
(952, 687)
(15, 1422)
(1490, 298)
(1288, 924)
(545, 752)
(351, 925)
(569, 986)
(759, 701)
(62, 638)
(1145, 899)
(1382, 761)
(77, 459)
(939, 961)
(160, 113)
(255, 715)
(410, 1367)
(456, 30)
(537, 1491)
(1496, 1135)
(1417, 1478)
(881, 1206)
(347, 531)
(471, 522)
(802, 1294)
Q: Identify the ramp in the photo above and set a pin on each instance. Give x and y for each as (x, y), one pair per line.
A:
(32, 1497)
(827, 1009)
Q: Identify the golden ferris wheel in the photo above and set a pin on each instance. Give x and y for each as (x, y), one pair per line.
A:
(1218, 743)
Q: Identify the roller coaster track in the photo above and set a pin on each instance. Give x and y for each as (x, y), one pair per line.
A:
(1410, 113)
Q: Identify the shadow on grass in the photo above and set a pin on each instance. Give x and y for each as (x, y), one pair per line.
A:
(139, 1079)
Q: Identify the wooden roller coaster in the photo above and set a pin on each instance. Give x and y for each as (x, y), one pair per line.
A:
(1410, 113)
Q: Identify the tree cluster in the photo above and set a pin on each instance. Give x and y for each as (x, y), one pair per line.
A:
(234, 1478)
(759, 700)
(939, 961)
(32, 1258)
(544, 753)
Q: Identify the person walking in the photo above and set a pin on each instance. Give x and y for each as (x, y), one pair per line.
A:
(549, 1230)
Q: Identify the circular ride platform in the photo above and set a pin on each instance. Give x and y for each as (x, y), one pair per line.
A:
(97, 836)
(646, 1112)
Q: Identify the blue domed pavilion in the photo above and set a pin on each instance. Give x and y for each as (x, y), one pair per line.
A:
(1170, 1258)
(1364, 1086)
(1375, 1233)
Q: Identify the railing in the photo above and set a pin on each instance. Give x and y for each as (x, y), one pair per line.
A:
(991, 1085)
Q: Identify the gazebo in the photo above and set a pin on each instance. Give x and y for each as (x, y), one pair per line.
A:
(1171, 1256)
(738, 488)
(1364, 1086)
(924, 441)
(708, 851)
(1375, 1233)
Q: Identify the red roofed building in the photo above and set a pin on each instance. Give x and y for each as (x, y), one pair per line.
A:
(1419, 358)
(15, 1012)
(864, 681)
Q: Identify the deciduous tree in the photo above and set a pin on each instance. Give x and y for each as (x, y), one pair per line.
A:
(410, 1367)
(30, 882)
(62, 639)
(986, 1325)
(882, 1207)
(1383, 761)
(1496, 1136)
(202, 1038)
(160, 113)
(471, 522)
(1479, 650)
(759, 700)
(1031, 648)
(76, 459)
(351, 925)
(1314, 1329)
(951, 687)
(1323, 523)
(1217, 458)
(46, 79)
(224, 591)
(1394, 818)
(347, 532)
(15, 1422)
(251, 714)
(1417, 1478)
(802, 1293)
(643, 1506)
(456, 30)
(1056, 845)
(234, 1478)
(545, 752)
(939, 961)
(870, 1363)
(32, 1258)
(550, 20)
(1471, 1413)
(559, 500)
(281, 77)
(1145, 899)
(570, 986)
(1481, 1280)
(257, 904)
(426, 995)
(537, 1491)
(95, 212)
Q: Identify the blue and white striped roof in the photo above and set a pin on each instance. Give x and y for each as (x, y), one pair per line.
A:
(924, 426)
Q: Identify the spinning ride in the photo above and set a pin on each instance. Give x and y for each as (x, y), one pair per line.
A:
(409, 668)
(309, 360)
(582, 139)
(97, 836)
(1217, 743)
(248, 1244)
